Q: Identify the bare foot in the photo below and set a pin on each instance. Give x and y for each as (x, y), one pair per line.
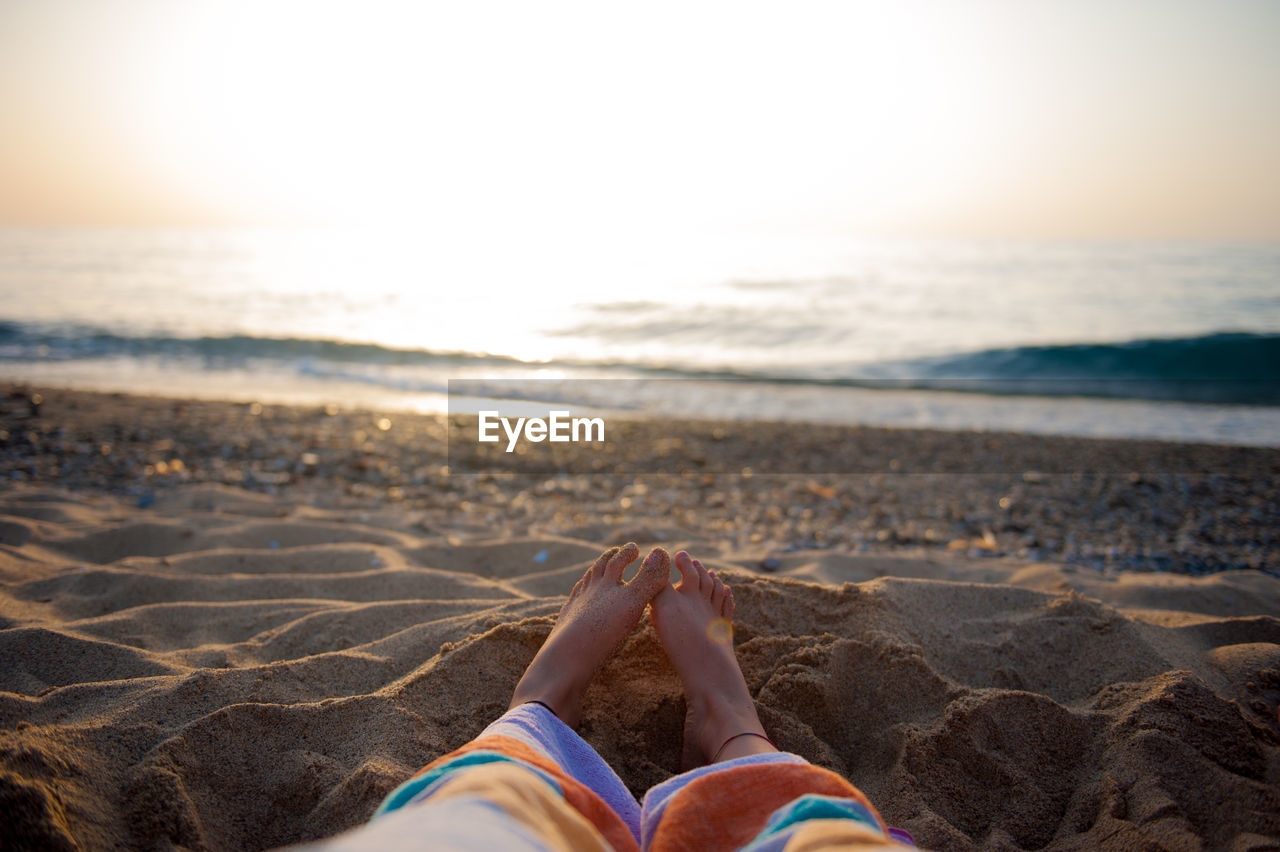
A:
(599, 614)
(694, 621)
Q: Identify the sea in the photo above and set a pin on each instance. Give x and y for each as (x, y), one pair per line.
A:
(1164, 340)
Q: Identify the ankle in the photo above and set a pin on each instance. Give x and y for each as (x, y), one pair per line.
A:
(719, 722)
(744, 744)
(558, 692)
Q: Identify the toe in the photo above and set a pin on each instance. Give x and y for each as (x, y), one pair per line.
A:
(726, 609)
(688, 573)
(652, 576)
(621, 559)
(597, 570)
(718, 592)
(704, 579)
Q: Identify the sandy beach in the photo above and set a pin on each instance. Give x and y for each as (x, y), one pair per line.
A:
(238, 626)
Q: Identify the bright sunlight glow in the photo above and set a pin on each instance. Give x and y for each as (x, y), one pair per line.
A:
(538, 121)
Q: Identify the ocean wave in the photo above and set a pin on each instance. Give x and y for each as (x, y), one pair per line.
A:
(30, 341)
(1225, 367)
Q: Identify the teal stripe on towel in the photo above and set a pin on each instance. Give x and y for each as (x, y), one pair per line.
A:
(813, 806)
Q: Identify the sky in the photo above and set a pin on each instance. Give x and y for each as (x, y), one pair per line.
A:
(1111, 119)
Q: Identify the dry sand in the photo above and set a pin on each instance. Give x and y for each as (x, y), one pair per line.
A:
(243, 652)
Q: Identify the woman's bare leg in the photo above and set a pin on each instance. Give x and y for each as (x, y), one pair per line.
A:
(599, 614)
(694, 621)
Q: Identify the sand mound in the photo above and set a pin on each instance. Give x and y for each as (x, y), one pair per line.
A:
(227, 670)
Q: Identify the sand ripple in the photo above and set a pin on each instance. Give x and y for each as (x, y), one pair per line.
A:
(228, 670)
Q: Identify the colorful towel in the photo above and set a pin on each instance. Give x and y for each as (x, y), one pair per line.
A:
(530, 772)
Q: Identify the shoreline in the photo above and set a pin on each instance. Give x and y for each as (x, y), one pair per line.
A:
(1104, 504)
(739, 401)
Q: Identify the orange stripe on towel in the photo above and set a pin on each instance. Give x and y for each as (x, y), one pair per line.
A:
(580, 797)
(727, 809)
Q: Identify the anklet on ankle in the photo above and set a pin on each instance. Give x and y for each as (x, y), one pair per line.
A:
(543, 705)
(731, 739)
